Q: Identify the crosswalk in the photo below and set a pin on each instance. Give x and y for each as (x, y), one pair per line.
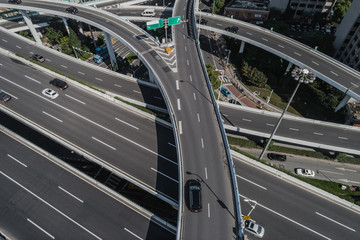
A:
(224, 79)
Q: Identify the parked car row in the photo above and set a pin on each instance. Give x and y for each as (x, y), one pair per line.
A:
(309, 27)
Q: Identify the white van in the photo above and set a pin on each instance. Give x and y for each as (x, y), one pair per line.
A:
(148, 12)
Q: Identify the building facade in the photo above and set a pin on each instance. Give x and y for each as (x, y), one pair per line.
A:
(310, 7)
(347, 41)
(280, 5)
(255, 11)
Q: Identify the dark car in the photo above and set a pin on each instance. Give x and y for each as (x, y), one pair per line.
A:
(233, 29)
(72, 10)
(202, 21)
(4, 97)
(59, 83)
(38, 57)
(15, 1)
(275, 156)
(195, 201)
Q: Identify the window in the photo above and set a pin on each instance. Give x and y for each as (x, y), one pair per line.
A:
(257, 15)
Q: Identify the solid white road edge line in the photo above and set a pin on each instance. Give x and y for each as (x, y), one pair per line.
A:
(164, 175)
(133, 234)
(16, 160)
(127, 123)
(104, 143)
(51, 236)
(52, 116)
(335, 222)
(251, 182)
(71, 194)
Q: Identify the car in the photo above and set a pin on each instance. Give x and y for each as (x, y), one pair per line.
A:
(38, 57)
(59, 83)
(195, 201)
(4, 97)
(72, 10)
(202, 21)
(233, 29)
(14, 1)
(305, 172)
(275, 156)
(254, 228)
(233, 101)
(50, 93)
(225, 92)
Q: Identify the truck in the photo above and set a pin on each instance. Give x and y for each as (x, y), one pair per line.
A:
(101, 54)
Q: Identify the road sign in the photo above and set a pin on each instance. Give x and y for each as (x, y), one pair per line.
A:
(155, 24)
(174, 20)
(246, 218)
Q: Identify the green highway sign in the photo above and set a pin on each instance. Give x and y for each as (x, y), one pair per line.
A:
(174, 20)
(155, 24)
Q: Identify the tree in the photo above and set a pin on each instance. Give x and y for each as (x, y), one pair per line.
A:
(65, 47)
(253, 76)
(74, 41)
(53, 35)
(340, 9)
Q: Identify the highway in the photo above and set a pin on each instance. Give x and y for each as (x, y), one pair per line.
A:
(105, 130)
(41, 200)
(287, 211)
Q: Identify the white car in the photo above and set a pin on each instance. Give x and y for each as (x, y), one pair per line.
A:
(305, 172)
(50, 93)
(254, 228)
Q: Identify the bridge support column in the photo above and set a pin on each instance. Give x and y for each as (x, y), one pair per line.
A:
(66, 25)
(242, 45)
(111, 51)
(342, 103)
(288, 68)
(31, 27)
(196, 5)
(151, 77)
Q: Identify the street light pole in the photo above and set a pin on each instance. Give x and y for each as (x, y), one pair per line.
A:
(213, 11)
(227, 60)
(300, 75)
(252, 204)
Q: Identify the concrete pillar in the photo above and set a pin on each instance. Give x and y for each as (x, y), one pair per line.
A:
(151, 77)
(66, 25)
(242, 45)
(196, 5)
(343, 102)
(288, 68)
(111, 51)
(31, 27)
(81, 29)
(92, 36)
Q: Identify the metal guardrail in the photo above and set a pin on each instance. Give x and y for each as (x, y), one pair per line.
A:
(239, 221)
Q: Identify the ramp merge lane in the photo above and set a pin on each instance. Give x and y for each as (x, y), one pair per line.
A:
(201, 148)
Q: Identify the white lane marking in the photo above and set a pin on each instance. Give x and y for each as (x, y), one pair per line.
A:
(315, 63)
(177, 85)
(157, 97)
(335, 222)
(331, 172)
(4, 40)
(185, 49)
(18, 47)
(133, 234)
(190, 78)
(31, 52)
(9, 94)
(334, 73)
(354, 84)
(249, 33)
(297, 53)
(164, 175)
(183, 25)
(345, 169)
(90, 121)
(246, 120)
(64, 66)
(1, 64)
(104, 143)
(180, 127)
(271, 125)
(32, 79)
(265, 39)
(75, 99)
(127, 123)
(99, 79)
(178, 104)
(81, 73)
(251, 182)
(316, 133)
(344, 138)
(16, 160)
(136, 91)
(289, 219)
(219, 24)
(184, 36)
(52, 116)
(281, 46)
(294, 129)
(71, 194)
(206, 176)
(202, 142)
(51, 236)
(198, 116)
(117, 85)
(173, 145)
(48, 204)
(194, 96)
(47, 60)
(187, 61)
(208, 210)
